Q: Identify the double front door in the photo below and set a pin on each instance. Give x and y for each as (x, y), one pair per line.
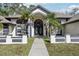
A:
(38, 29)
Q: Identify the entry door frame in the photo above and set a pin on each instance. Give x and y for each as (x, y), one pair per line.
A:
(42, 28)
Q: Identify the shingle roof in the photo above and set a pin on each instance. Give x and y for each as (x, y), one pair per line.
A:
(73, 19)
(62, 15)
(3, 20)
(42, 8)
(13, 16)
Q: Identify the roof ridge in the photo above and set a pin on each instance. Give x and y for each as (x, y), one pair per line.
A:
(39, 6)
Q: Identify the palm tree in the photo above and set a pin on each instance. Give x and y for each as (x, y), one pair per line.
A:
(25, 15)
(53, 23)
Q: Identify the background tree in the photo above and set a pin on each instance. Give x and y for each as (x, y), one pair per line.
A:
(14, 8)
(3, 12)
(10, 9)
(31, 7)
(74, 10)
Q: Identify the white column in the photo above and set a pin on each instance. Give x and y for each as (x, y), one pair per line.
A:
(68, 39)
(52, 38)
(14, 31)
(24, 39)
(28, 31)
(48, 30)
(8, 40)
(29, 28)
(44, 30)
(32, 28)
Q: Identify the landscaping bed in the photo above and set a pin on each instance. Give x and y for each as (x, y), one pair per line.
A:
(16, 49)
(62, 49)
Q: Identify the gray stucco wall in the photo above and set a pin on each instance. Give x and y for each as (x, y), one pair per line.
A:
(72, 28)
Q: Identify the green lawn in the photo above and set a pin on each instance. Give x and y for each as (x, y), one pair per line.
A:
(15, 50)
(62, 49)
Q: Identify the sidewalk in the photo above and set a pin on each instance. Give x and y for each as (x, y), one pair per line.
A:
(38, 48)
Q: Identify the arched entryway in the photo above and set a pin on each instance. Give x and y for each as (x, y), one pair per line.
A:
(38, 27)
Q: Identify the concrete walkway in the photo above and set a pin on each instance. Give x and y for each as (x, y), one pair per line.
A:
(38, 48)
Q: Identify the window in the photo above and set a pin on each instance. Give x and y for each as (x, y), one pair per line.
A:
(5, 29)
(59, 32)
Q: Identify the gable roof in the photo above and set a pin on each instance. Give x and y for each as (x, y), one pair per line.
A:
(13, 16)
(62, 15)
(3, 20)
(73, 19)
(41, 8)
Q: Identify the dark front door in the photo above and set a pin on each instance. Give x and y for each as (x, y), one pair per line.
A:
(38, 27)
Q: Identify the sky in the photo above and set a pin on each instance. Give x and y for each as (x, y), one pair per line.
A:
(61, 7)
(58, 6)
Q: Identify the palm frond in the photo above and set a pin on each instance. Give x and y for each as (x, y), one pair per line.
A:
(53, 21)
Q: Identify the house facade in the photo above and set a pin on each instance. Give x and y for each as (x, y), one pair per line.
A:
(72, 26)
(39, 26)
